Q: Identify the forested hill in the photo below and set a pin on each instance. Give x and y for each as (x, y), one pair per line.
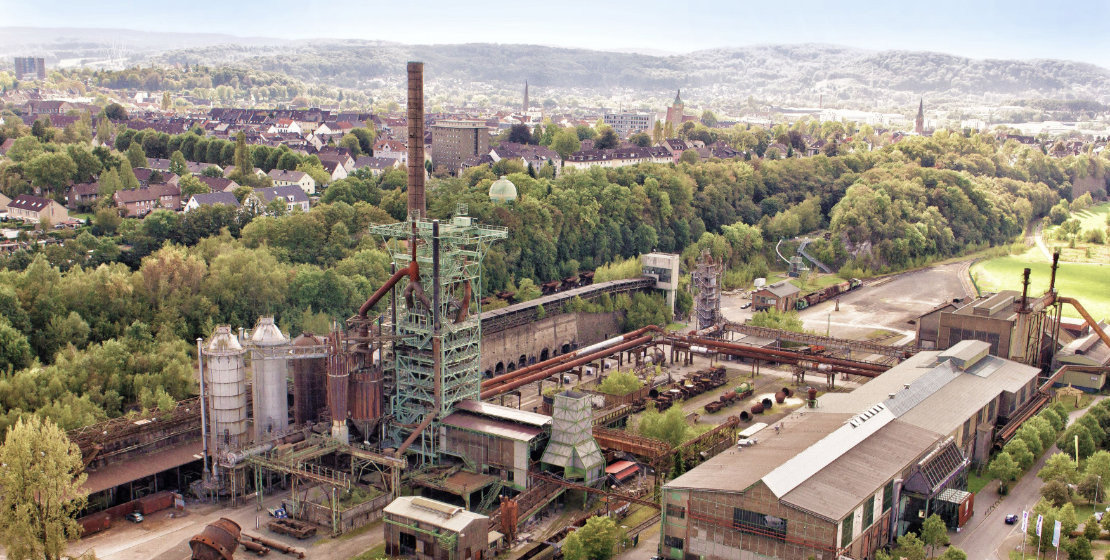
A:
(778, 72)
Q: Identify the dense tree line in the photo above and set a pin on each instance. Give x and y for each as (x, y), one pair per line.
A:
(124, 288)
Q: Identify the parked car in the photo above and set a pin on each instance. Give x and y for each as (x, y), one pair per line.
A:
(1011, 519)
(746, 305)
(134, 517)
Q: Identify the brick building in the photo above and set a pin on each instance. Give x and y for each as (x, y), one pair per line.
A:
(455, 141)
(845, 478)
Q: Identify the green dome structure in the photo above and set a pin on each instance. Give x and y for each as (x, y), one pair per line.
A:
(502, 191)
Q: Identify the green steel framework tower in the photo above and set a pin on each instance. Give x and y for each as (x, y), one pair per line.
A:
(436, 358)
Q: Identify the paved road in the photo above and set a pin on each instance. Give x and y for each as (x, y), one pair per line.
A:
(987, 536)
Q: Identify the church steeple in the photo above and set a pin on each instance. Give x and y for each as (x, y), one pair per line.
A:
(919, 123)
(678, 98)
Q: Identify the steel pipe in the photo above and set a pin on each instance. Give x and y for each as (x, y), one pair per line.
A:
(511, 376)
(559, 368)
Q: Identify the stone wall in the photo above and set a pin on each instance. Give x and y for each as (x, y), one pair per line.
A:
(549, 337)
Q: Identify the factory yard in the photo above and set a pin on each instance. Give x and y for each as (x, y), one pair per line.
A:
(165, 535)
(883, 304)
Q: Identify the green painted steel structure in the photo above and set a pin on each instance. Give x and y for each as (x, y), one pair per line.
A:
(437, 324)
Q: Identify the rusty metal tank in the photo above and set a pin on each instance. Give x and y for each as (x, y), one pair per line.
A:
(767, 404)
(217, 541)
(310, 394)
(339, 367)
(780, 397)
(365, 398)
(757, 408)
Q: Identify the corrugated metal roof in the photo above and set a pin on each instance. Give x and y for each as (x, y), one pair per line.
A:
(839, 487)
(810, 461)
(113, 475)
(618, 467)
(505, 413)
(736, 469)
(497, 428)
(456, 522)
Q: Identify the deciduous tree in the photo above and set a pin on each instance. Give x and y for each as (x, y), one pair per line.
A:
(41, 478)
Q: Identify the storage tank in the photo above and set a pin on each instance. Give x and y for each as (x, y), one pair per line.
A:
(310, 376)
(226, 380)
(269, 363)
(365, 399)
(338, 377)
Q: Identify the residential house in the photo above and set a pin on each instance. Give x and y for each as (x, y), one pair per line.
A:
(341, 155)
(294, 197)
(301, 179)
(35, 209)
(218, 184)
(143, 174)
(4, 201)
(391, 149)
(210, 199)
(82, 195)
(140, 202)
(376, 165)
(335, 169)
(7, 145)
(528, 154)
(231, 169)
(285, 126)
(196, 168)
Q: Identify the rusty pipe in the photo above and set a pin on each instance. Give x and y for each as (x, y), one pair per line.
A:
(384, 289)
(758, 356)
(508, 377)
(559, 368)
(784, 353)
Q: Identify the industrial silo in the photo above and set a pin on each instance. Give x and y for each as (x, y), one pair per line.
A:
(339, 364)
(310, 394)
(226, 384)
(269, 355)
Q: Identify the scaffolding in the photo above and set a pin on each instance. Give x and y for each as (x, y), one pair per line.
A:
(707, 291)
(436, 356)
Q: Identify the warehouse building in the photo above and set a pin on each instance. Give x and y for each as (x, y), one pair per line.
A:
(425, 529)
(845, 478)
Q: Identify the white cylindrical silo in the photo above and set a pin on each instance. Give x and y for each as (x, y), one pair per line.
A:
(269, 355)
(226, 384)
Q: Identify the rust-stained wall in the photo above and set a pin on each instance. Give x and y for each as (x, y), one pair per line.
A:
(706, 527)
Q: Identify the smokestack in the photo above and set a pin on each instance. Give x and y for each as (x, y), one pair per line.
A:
(1025, 290)
(416, 139)
(1055, 264)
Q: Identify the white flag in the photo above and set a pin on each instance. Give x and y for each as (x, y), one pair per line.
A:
(1024, 521)
(1056, 534)
(1040, 520)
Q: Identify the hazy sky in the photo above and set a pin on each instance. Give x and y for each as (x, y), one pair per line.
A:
(980, 29)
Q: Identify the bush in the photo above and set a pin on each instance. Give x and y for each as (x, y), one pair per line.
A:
(620, 383)
(1097, 236)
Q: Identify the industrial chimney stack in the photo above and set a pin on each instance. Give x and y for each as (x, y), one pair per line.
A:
(416, 140)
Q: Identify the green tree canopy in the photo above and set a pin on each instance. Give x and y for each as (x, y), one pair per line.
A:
(41, 478)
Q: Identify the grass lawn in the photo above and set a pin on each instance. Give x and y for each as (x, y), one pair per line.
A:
(1091, 218)
(1089, 284)
(638, 515)
(816, 281)
(976, 481)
